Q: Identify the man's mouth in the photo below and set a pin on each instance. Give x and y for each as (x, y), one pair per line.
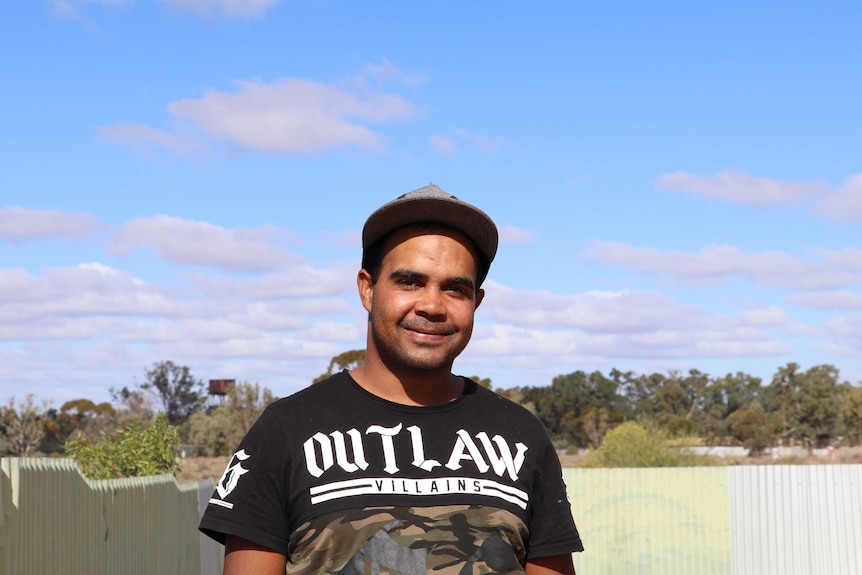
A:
(425, 329)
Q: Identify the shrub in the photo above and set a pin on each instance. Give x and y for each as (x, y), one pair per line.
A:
(134, 452)
(631, 445)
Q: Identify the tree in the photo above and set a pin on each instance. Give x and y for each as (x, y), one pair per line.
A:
(219, 430)
(782, 399)
(594, 425)
(22, 429)
(851, 413)
(342, 361)
(81, 417)
(819, 404)
(133, 404)
(751, 428)
(641, 393)
(723, 396)
(178, 392)
(562, 405)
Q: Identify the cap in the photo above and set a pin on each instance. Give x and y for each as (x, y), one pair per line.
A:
(430, 204)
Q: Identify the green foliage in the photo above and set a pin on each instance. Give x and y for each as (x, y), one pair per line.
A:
(631, 445)
(179, 393)
(562, 406)
(807, 404)
(679, 427)
(851, 413)
(136, 451)
(219, 430)
(342, 361)
(751, 428)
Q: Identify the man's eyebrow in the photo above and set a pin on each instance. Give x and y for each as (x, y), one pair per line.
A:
(403, 273)
(406, 274)
(466, 282)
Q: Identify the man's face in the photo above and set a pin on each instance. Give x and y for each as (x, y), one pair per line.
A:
(421, 307)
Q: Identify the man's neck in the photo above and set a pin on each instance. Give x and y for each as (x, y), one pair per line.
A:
(413, 387)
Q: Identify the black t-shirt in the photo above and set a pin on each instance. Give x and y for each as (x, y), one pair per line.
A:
(342, 481)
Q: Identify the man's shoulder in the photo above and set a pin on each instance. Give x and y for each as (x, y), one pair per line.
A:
(325, 391)
(492, 400)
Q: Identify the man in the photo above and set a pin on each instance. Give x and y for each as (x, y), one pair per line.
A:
(399, 466)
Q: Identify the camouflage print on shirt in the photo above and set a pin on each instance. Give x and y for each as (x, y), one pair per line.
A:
(453, 539)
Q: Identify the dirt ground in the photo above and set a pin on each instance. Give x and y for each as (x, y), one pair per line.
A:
(201, 468)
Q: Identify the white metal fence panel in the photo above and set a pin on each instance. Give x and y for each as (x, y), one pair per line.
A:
(57, 522)
(796, 519)
(212, 553)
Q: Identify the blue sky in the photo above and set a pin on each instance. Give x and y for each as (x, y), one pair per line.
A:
(678, 186)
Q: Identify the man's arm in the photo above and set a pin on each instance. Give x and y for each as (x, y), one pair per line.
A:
(554, 565)
(243, 557)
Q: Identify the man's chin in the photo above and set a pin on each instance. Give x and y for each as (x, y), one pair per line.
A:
(425, 362)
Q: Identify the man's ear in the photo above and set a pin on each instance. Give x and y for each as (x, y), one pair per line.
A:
(366, 288)
(480, 295)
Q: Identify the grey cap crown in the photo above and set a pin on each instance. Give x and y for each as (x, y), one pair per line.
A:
(430, 204)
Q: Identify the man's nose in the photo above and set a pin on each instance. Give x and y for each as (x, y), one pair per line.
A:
(430, 302)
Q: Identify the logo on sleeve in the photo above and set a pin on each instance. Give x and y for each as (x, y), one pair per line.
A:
(230, 478)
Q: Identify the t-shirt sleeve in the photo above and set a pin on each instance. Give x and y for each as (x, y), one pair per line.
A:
(552, 528)
(250, 499)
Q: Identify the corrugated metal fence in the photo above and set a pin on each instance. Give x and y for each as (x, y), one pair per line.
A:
(743, 520)
(57, 522)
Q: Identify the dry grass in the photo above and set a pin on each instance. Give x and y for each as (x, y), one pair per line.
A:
(842, 457)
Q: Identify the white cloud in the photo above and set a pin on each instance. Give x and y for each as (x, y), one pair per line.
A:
(484, 143)
(279, 319)
(708, 337)
(144, 137)
(594, 311)
(82, 290)
(443, 145)
(845, 203)
(227, 8)
(515, 236)
(848, 330)
(737, 186)
(296, 280)
(200, 243)
(72, 9)
(770, 316)
(104, 325)
(288, 116)
(448, 145)
(348, 239)
(75, 9)
(386, 72)
(293, 116)
(21, 224)
(281, 328)
(839, 299)
(64, 9)
(721, 263)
